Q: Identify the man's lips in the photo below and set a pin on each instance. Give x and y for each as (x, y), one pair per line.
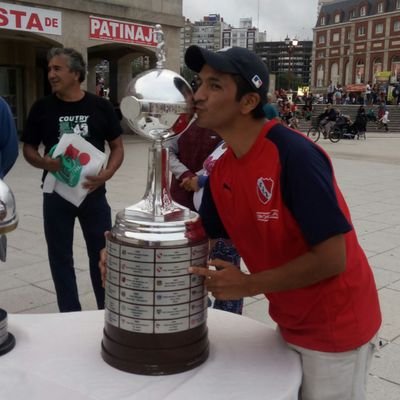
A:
(198, 109)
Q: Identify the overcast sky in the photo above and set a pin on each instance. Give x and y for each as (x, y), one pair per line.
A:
(278, 18)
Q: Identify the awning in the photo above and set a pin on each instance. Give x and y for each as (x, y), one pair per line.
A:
(356, 87)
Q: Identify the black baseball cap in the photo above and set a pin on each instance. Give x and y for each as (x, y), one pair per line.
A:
(232, 60)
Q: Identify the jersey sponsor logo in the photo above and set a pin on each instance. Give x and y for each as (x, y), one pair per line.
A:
(267, 216)
(265, 187)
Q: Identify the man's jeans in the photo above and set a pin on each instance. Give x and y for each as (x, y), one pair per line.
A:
(94, 215)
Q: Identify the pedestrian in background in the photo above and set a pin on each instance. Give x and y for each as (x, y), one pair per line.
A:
(8, 139)
(368, 93)
(8, 154)
(188, 154)
(384, 121)
(221, 248)
(270, 110)
(330, 91)
(70, 110)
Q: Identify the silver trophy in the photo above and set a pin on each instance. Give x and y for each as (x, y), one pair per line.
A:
(155, 311)
(8, 222)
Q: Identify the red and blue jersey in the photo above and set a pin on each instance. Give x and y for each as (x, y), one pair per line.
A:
(275, 203)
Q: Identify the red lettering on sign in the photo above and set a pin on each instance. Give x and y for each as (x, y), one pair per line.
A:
(34, 22)
(121, 31)
(3, 17)
(51, 22)
(30, 19)
(18, 16)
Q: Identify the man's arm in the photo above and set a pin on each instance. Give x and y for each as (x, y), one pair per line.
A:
(114, 162)
(33, 157)
(8, 139)
(177, 168)
(323, 261)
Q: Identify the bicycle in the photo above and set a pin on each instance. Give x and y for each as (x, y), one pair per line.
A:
(315, 132)
(293, 123)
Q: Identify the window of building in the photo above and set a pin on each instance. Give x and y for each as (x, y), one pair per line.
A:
(337, 18)
(396, 26)
(322, 20)
(359, 78)
(321, 39)
(378, 28)
(377, 66)
(361, 31)
(397, 4)
(363, 11)
(380, 8)
(336, 37)
(395, 68)
(334, 73)
(320, 75)
(353, 13)
(347, 79)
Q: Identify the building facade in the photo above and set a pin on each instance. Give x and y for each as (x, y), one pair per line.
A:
(287, 59)
(245, 36)
(118, 31)
(356, 41)
(213, 34)
(206, 33)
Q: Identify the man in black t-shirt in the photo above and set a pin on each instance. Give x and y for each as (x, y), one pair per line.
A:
(70, 110)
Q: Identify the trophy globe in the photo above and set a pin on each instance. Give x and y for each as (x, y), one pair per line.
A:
(155, 311)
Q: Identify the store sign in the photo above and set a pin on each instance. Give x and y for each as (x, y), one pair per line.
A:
(29, 19)
(121, 31)
(383, 74)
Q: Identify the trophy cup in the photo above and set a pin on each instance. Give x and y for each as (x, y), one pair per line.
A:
(8, 222)
(155, 311)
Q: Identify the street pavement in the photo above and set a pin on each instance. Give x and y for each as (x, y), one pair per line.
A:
(368, 171)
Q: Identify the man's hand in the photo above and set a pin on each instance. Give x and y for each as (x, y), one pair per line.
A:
(227, 282)
(94, 182)
(103, 262)
(191, 184)
(185, 182)
(51, 164)
(103, 266)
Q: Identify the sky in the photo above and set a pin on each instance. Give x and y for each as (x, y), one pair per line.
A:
(278, 18)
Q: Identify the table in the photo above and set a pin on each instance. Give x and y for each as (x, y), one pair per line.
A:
(57, 356)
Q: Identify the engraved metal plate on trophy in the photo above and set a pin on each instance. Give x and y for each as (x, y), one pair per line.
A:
(155, 311)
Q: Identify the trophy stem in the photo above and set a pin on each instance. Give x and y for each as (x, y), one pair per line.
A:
(157, 203)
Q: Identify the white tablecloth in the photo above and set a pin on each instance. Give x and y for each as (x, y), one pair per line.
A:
(57, 357)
